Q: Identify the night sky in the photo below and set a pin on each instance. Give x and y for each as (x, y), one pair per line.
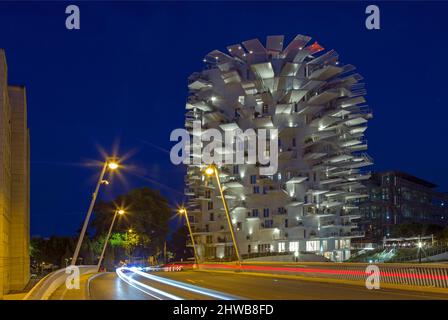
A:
(120, 84)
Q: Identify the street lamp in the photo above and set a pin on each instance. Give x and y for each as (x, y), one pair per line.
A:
(117, 212)
(419, 250)
(108, 164)
(183, 211)
(112, 165)
(213, 170)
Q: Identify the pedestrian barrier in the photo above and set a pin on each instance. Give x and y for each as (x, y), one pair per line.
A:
(48, 285)
(415, 275)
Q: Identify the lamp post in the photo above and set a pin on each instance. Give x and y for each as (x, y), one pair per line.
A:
(108, 164)
(420, 245)
(117, 212)
(213, 170)
(183, 211)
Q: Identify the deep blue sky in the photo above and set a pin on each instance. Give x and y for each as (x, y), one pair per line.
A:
(121, 80)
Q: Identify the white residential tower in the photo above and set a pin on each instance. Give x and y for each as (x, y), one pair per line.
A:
(318, 106)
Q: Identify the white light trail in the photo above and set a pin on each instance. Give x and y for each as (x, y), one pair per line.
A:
(181, 285)
(139, 285)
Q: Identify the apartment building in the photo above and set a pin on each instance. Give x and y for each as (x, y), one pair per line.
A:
(318, 106)
(14, 185)
(397, 197)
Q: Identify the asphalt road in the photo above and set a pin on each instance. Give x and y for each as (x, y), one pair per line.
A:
(109, 286)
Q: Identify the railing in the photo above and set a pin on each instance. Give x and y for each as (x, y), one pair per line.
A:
(425, 253)
(410, 276)
(49, 284)
(264, 254)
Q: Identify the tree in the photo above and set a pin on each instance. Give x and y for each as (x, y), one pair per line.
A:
(416, 229)
(177, 244)
(147, 214)
(52, 250)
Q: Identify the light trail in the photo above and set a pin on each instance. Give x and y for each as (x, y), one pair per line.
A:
(173, 283)
(404, 274)
(138, 285)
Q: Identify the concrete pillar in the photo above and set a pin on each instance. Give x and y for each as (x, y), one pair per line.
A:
(20, 221)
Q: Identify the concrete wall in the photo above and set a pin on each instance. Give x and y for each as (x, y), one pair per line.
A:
(14, 186)
(20, 221)
(5, 179)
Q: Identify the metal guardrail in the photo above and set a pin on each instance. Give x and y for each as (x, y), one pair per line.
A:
(415, 275)
(426, 254)
(49, 284)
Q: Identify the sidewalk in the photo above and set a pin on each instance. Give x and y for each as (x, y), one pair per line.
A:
(15, 296)
(62, 293)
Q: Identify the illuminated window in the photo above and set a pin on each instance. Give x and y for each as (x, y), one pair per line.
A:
(281, 247)
(312, 246)
(294, 246)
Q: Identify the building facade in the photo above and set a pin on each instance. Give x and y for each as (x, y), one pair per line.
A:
(14, 185)
(397, 197)
(318, 106)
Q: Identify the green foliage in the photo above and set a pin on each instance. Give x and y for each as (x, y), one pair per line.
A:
(147, 213)
(52, 250)
(131, 240)
(116, 240)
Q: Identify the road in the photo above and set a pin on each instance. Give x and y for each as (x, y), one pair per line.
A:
(108, 286)
(243, 286)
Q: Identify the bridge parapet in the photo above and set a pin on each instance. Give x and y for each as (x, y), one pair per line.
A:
(50, 283)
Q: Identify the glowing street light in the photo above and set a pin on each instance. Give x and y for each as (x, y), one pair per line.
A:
(117, 212)
(419, 250)
(210, 170)
(183, 211)
(110, 164)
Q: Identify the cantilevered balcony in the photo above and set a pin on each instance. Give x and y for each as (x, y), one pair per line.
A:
(231, 77)
(263, 70)
(201, 105)
(331, 204)
(355, 195)
(263, 122)
(349, 102)
(199, 84)
(331, 181)
(359, 177)
(232, 185)
(296, 180)
(324, 97)
(325, 73)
